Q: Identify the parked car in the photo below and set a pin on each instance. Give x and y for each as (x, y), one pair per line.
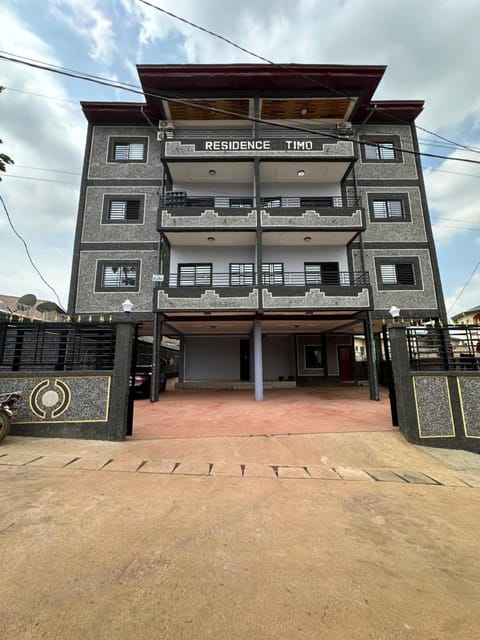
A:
(142, 381)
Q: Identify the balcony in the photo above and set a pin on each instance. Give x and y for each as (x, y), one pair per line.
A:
(207, 292)
(313, 212)
(295, 291)
(335, 291)
(179, 211)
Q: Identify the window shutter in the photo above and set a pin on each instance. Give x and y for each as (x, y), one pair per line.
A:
(388, 274)
(405, 273)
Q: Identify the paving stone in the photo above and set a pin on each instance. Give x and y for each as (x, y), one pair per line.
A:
(255, 470)
(292, 472)
(415, 477)
(158, 466)
(385, 475)
(92, 463)
(192, 469)
(120, 464)
(54, 462)
(323, 473)
(347, 473)
(470, 479)
(227, 469)
(448, 480)
(17, 459)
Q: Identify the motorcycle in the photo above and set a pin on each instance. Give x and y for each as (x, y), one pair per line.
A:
(7, 411)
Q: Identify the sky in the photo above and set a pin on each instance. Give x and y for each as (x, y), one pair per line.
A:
(431, 49)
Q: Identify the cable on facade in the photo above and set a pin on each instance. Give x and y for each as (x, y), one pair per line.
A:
(28, 252)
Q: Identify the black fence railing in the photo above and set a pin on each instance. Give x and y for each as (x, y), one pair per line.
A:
(179, 199)
(452, 347)
(56, 346)
(251, 279)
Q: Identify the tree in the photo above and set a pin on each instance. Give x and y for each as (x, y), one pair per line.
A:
(4, 160)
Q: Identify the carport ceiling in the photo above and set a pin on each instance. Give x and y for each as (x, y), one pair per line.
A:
(216, 327)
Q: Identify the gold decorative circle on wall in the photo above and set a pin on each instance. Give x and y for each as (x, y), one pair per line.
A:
(50, 398)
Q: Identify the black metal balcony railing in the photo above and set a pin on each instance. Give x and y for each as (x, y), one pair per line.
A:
(290, 278)
(180, 199)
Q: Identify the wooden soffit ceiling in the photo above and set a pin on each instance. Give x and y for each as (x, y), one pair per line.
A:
(271, 109)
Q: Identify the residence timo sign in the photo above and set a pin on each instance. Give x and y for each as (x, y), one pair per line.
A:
(265, 146)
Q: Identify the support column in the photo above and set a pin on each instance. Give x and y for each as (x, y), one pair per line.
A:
(258, 359)
(371, 359)
(156, 358)
(181, 360)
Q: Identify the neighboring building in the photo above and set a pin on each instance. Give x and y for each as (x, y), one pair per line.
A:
(278, 207)
(28, 306)
(472, 316)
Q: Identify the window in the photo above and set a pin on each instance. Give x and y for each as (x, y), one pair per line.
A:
(271, 202)
(314, 203)
(321, 273)
(241, 203)
(385, 209)
(117, 275)
(194, 275)
(389, 207)
(128, 150)
(119, 209)
(402, 273)
(272, 273)
(381, 149)
(241, 274)
(397, 274)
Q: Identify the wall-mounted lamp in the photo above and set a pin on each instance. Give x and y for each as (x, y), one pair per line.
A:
(212, 172)
(300, 173)
(307, 238)
(127, 306)
(211, 239)
(394, 312)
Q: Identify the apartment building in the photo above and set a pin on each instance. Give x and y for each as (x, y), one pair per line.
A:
(264, 215)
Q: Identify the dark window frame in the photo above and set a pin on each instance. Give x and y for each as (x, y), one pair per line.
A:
(194, 265)
(127, 140)
(320, 278)
(414, 261)
(119, 264)
(241, 275)
(273, 277)
(379, 140)
(388, 197)
(108, 199)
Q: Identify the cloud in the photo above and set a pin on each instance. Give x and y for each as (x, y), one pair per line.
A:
(452, 190)
(89, 22)
(41, 135)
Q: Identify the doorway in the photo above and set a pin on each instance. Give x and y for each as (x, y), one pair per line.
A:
(245, 360)
(345, 363)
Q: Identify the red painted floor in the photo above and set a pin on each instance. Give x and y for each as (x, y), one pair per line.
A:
(184, 413)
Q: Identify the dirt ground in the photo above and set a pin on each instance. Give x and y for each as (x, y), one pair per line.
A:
(103, 551)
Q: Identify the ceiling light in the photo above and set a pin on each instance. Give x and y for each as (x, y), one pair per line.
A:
(296, 326)
(304, 111)
(213, 326)
(300, 173)
(212, 172)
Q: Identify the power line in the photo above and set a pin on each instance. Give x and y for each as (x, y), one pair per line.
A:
(72, 173)
(464, 287)
(41, 95)
(28, 252)
(183, 101)
(13, 175)
(316, 82)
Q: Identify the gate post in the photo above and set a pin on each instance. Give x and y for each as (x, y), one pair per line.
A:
(121, 405)
(404, 395)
